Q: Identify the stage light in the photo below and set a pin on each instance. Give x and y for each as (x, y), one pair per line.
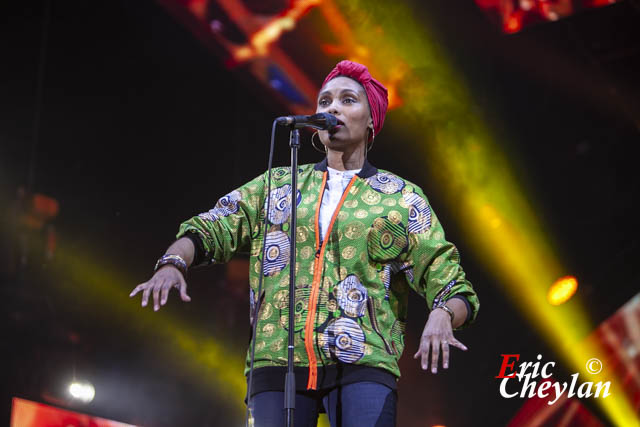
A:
(83, 391)
(514, 23)
(562, 290)
(516, 14)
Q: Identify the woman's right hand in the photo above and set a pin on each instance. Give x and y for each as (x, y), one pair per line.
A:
(160, 284)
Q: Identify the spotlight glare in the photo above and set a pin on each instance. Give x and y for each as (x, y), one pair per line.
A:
(513, 24)
(82, 391)
(562, 290)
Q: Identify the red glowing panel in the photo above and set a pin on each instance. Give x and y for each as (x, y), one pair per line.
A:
(513, 15)
(25, 413)
(513, 24)
(598, 3)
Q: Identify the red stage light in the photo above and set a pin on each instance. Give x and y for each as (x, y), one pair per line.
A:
(513, 24)
(598, 3)
(516, 14)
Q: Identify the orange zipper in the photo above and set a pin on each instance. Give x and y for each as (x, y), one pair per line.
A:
(312, 384)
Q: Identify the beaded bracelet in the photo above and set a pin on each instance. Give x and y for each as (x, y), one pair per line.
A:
(175, 260)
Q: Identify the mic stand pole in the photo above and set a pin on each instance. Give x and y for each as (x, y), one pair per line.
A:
(290, 379)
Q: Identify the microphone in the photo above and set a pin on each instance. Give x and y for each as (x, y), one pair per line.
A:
(320, 121)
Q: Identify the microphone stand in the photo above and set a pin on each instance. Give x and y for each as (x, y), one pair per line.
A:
(290, 379)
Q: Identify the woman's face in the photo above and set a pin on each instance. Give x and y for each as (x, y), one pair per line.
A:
(346, 99)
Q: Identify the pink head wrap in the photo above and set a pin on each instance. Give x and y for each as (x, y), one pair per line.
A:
(376, 92)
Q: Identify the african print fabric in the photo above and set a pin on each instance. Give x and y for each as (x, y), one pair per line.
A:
(352, 288)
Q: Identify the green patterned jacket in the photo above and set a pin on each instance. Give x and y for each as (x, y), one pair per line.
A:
(352, 288)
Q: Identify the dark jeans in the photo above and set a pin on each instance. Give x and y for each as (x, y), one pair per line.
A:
(361, 404)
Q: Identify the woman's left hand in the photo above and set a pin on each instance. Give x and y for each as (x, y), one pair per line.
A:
(437, 332)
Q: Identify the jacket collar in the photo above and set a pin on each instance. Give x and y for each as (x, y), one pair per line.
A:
(367, 170)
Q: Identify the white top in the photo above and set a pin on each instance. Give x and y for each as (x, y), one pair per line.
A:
(336, 184)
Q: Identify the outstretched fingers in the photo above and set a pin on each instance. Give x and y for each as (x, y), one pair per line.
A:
(438, 346)
(160, 287)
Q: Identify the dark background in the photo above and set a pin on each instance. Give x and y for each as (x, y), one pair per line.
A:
(142, 127)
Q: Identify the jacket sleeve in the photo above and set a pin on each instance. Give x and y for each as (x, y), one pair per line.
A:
(437, 274)
(228, 228)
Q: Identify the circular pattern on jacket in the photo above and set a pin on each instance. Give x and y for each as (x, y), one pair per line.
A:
(226, 206)
(277, 345)
(281, 299)
(266, 311)
(229, 203)
(306, 252)
(371, 197)
(386, 239)
(280, 204)
(354, 230)
(348, 252)
(276, 252)
(395, 217)
(302, 234)
(279, 172)
(419, 213)
(351, 204)
(329, 256)
(300, 308)
(352, 296)
(386, 183)
(284, 279)
(376, 210)
(361, 213)
(344, 340)
(268, 329)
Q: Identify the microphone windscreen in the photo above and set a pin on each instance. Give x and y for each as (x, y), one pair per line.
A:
(324, 121)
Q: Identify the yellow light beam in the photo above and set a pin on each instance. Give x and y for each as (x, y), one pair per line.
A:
(201, 355)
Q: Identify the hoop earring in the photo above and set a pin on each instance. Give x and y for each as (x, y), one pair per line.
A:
(373, 136)
(315, 146)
